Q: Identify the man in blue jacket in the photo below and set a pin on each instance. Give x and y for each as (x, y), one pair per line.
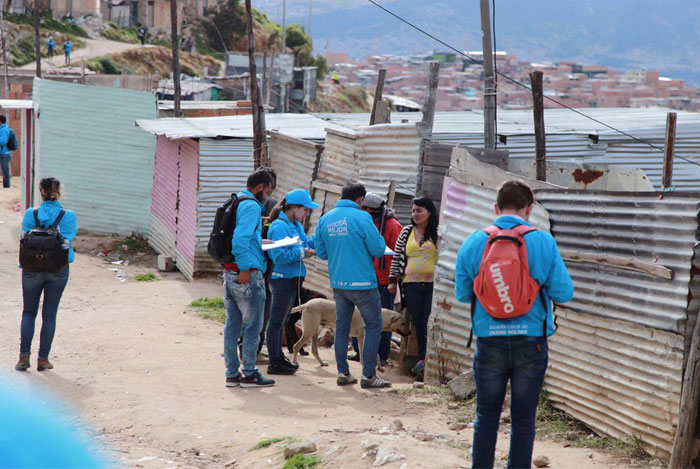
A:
(5, 153)
(244, 286)
(511, 349)
(347, 238)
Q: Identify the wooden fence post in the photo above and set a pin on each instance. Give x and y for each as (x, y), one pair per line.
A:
(669, 148)
(540, 140)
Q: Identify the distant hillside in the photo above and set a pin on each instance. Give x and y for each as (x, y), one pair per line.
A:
(624, 34)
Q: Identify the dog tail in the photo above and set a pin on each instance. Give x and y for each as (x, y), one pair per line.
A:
(298, 309)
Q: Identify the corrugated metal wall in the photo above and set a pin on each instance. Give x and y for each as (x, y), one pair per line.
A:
(338, 161)
(293, 160)
(224, 166)
(161, 235)
(89, 142)
(188, 162)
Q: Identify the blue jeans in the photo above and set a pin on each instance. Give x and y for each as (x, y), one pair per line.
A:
(33, 284)
(419, 299)
(284, 292)
(245, 306)
(5, 164)
(523, 361)
(370, 306)
(385, 339)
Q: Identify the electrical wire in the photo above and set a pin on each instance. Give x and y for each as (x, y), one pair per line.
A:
(495, 69)
(557, 102)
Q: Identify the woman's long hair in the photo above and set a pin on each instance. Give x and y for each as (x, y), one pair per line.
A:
(431, 231)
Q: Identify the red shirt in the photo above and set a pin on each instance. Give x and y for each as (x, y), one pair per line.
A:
(392, 229)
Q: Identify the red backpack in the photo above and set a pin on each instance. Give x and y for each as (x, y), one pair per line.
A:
(503, 285)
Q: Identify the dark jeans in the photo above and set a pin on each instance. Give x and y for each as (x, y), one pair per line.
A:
(523, 361)
(33, 284)
(419, 299)
(284, 292)
(385, 339)
(5, 165)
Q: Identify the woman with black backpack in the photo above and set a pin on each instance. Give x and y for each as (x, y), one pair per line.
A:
(45, 254)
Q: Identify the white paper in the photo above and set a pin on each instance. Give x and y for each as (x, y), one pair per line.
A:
(388, 252)
(284, 242)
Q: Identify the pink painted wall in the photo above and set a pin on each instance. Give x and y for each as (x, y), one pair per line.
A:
(165, 177)
(187, 210)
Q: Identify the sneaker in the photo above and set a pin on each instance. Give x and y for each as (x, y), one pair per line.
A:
(286, 360)
(233, 381)
(418, 367)
(302, 352)
(374, 382)
(23, 363)
(355, 358)
(281, 367)
(383, 362)
(344, 380)
(256, 380)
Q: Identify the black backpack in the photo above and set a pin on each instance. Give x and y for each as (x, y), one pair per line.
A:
(221, 237)
(41, 249)
(12, 141)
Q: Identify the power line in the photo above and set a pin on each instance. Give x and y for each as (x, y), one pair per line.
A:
(559, 103)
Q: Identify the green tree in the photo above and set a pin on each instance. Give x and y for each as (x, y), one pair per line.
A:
(301, 44)
(227, 23)
(322, 64)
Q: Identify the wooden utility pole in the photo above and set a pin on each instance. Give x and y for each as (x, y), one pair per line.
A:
(259, 146)
(6, 84)
(683, 442)
(538, 111)
(377, 95)
(489, 79)
(430, 98)
(37, 39)
(176, 57)
(264, 76)
(269, 79)
(669, 147)
(284, 26)
(311, 8)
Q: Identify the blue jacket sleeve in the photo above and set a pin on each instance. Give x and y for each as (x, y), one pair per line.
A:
(4, 136)
(468, 260)
(68, 225)
(373, 240)
(247, 216)
(320, 243)
(287, 255)
(558, 285)
(28, 220)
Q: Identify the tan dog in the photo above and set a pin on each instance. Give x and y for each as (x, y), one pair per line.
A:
(317, 312)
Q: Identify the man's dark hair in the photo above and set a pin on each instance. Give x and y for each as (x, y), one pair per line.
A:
(259, 177)
(353, 191)
(514, 195)
(3, 119)
(271, 172)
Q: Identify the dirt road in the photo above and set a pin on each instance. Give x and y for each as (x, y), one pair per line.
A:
(93, 48)
(149, 380)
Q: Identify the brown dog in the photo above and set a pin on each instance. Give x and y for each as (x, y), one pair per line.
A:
(316, 312)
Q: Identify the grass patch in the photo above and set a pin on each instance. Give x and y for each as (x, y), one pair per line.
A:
(553, 420)
(428, 390)
(269, 442)
(302, 461)
(47, 21)
(149, 277)
(113, 32)
(210, 308)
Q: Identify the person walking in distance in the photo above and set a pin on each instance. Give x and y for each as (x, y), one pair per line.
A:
(50, 47)
(390, 228)
(510, 273)
(142, 34)
(414, 265)
(35, 282)
(7, 140)
(288, 271)
(67, 48)
(244, 286)
(348, 239)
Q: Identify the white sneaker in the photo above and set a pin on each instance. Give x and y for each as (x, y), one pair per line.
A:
(374, 382)
(344, 380)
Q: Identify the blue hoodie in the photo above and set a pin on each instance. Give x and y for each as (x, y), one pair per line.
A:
(347, 237)
(546, 267)
(247, 236)
(4, 138)
(48, 211)
(288, 262)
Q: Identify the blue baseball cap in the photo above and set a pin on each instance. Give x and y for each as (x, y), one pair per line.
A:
(300, 197)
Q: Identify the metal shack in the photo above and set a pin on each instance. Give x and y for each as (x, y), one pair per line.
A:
(84, 136)
(199, 162)
(618, 356)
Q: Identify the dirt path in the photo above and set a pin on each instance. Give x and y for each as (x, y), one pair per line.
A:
(150, 381)
(93, 48)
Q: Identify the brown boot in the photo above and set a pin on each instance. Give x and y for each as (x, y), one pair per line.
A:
(23, 363)
(43, 364)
